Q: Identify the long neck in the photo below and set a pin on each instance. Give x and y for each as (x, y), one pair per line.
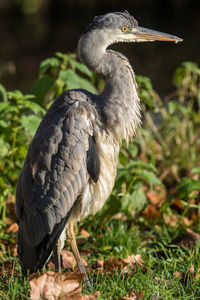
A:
(119, 101)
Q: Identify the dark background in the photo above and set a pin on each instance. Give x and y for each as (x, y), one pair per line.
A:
(32, 30)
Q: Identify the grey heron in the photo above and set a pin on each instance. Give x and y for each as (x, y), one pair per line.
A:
(71, 164)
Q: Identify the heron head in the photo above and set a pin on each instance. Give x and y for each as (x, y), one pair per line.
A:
(122, 27)
(113, 28)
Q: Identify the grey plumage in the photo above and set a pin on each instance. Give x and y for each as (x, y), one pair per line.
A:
(51, 181)
(71, 163)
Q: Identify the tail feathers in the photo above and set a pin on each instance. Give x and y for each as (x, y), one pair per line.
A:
(33, 258)
(28, 255)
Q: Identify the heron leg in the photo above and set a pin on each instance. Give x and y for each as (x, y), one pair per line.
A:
(57, 256)
(71, 239)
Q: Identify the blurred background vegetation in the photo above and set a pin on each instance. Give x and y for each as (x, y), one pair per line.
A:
(32, 30)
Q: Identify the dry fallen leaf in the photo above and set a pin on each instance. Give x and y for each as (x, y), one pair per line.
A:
(191, 272)
(132, 262)
(13, 228)
(51, 285)
(186, 221)
(171, 220)
(178, 274)
(98, 267)
(178, 205)
(133, 259)
(139, 295)
(84, 233)
(155, 198)
(194, 235)
(82, 297)
(151, 212)
(162, 280)
(13, 249)
(124, 265)
(68, 261)
(189, 239)
(120, 216)
(112, 264)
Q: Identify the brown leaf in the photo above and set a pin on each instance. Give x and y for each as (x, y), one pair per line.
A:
(171, 220)
(84, 233)
(120, 216)
(177, 204)
(98, 267)
(12, 228)
(194, 216)
(186, 221)
(112, 264)
(124, 265)
(133, 259)
(189, 239)
(139, 295)
(162, 280)
(68, 261)
(191, 272)
(155, 198)
(194, 235)
(13, 249)
(151, 212)
(178, 274)
(130, 293)
(51, 285)
(79, 297)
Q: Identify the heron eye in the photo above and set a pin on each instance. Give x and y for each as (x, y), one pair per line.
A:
(124, 29)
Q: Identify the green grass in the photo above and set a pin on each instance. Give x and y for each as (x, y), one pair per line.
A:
(161, 258)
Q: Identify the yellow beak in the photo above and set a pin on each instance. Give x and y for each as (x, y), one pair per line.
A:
(144, 35)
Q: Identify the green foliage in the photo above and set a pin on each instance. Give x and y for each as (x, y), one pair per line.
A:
(60, 73)
(19, 119)
(132, 176)
(169, 137)
(188, 187)
(147, 94)
(186, 79)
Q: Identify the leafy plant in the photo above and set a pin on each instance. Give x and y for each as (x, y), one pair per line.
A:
(170, 131)
(133, 178)
(19, 119)
(189, 188)
(60, 73)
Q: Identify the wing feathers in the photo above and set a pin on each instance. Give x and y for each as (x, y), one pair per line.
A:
(93, 161)
(56, 170)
